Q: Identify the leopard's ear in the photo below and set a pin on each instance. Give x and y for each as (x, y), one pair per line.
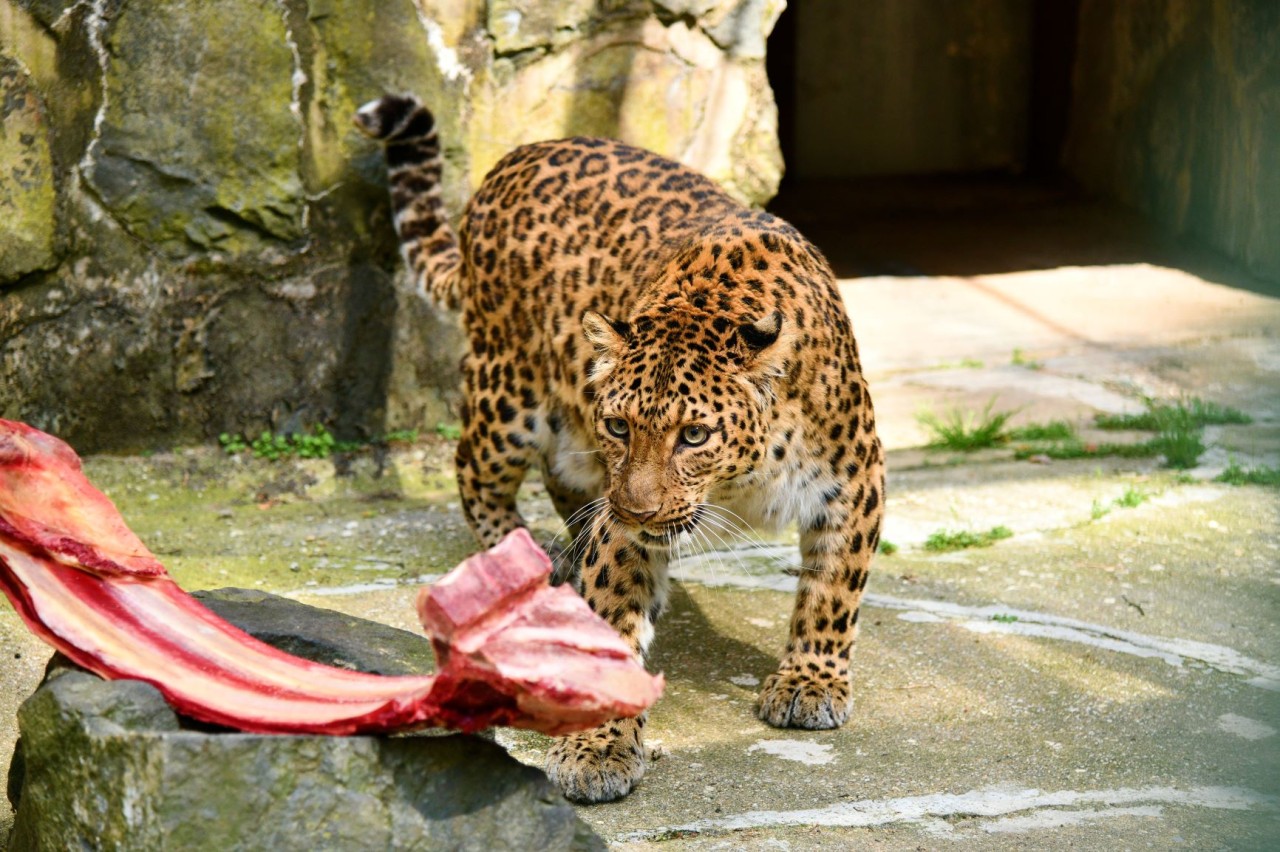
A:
(762, 333)
(607, 337)
(766, 347)
(604, 334)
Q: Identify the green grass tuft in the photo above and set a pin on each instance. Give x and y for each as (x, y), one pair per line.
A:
(1192, 410)
(888, 548)
(943, 541)
(1179, 436)
(1077, 449)
(1054, 430)
(964, 431)
(1020, 359)
(1132, 498)
(1261, 475)
(1179, 427)
(449, 431)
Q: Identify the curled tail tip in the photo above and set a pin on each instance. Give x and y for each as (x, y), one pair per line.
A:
(394, 118)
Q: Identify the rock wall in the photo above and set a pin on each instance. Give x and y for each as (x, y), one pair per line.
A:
(194, 239)
(1176, 111)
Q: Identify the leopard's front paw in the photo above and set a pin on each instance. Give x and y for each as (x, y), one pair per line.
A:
(597, 766)
(796, 697)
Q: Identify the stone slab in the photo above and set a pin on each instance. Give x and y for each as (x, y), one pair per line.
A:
(108, 764)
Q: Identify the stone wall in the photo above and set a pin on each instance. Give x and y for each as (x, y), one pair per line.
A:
(1176, 111)
(194, 239)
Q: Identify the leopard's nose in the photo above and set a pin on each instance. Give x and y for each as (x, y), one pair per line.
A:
(634, 515)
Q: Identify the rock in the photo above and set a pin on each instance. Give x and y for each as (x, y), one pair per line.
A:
(28, 198)
(322, 635)
(197, 146)
(522, 24)
(109, 765)
(668, 88)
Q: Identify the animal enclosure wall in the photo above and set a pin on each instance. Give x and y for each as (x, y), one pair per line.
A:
(195, 239)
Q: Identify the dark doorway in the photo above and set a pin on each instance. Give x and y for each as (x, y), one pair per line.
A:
(926, 137)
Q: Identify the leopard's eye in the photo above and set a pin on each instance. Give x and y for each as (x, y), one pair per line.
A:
(616, 426)
(694, 435)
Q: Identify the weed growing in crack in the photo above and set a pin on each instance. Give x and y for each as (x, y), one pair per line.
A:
(1077, 449)
(1132, 498)
(1261, 475)
(1054, 430)
(319, 443)
(1020, 359)
(964, 431)
(1192, 411)
(944, 541)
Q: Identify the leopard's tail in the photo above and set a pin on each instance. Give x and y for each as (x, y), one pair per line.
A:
(430, 248)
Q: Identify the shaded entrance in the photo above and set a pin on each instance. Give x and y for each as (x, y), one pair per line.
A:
(987, 136)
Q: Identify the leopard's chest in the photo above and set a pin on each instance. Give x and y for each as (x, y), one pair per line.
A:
(778, 492)
(571, 455)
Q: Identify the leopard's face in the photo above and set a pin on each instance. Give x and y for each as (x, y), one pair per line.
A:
(682, 402)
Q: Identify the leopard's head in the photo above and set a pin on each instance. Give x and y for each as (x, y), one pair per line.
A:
(682, 404)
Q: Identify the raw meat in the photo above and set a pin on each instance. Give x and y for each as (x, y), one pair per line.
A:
(510, 649)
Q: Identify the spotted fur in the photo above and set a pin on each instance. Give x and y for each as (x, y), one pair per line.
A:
(638, 335)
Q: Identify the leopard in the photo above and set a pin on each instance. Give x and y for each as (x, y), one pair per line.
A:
(664, 355)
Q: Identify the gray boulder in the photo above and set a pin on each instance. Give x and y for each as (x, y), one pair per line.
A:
(109, 765)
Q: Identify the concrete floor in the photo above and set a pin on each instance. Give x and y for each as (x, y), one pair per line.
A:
(1105, 679)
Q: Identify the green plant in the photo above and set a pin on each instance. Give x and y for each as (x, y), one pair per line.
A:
(1077, 449)
(888, 548)
(965, 431)
(1020, 359)
(1195, 410)
(1004, 618)
(1179, 436)
(1132, 498)
(947, 540)
(400, 436)
(449, 431)
(1099, 511)
(232, 444)
(1261, 475)
(319, 443)
(1054, 430)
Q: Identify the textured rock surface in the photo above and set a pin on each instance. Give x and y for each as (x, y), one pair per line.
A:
(196, 240)
(108, 765)
(1177, 112)
(27, 194)
(322, 635)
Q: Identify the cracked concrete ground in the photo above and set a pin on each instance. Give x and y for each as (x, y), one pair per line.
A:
(1105, 678)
